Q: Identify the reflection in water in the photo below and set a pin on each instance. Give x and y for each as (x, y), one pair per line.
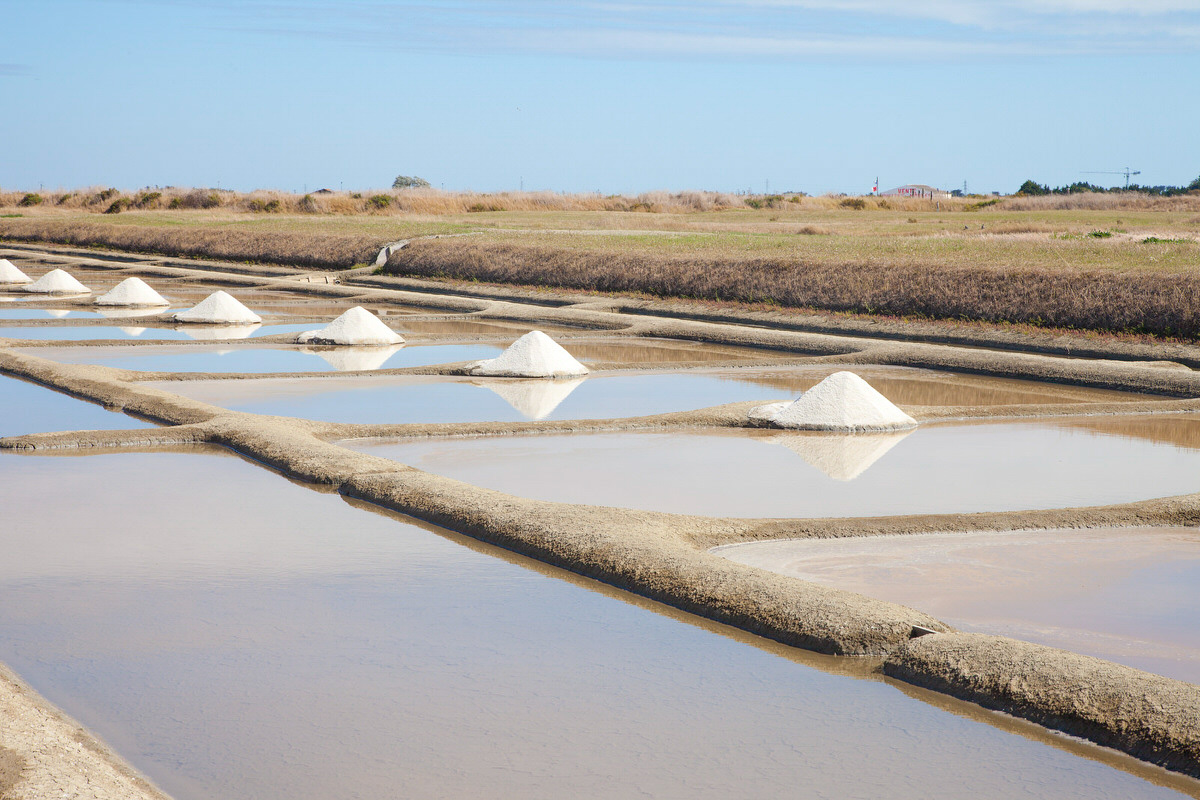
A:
(534, 399)
(350, 359)
(116, 312)
(842, 457)
(918, 387)
(210, 332)
(1127, 595)
(135, 332)
(938, 469)
(277, 643)
(1181, 430)
(57, 313)
(32, 408)
(664, 351)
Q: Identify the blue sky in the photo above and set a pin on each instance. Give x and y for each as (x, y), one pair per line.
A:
(567, 95)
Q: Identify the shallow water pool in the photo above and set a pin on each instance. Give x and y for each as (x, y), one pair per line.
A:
(82, 333)
(238, 358)
(235, 635)
(600, 396)
(27, 407)
(1124, 594)
(940, 469)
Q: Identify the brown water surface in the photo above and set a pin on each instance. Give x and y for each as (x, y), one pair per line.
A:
(237, 635)
(1124, 594)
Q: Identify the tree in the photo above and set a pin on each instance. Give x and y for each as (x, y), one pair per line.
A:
(1033, 188)
(409, 182)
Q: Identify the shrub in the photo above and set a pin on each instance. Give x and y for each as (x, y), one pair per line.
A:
(1032, 188)
(981, 204)
(176, 202)
(106, 195)
(409, 182)
(379, 201)
(855, 203)
(118, 205)
(30, 199)
(147, 199)
(65, 198)
(1101, 234)
(812, 230)
(308, 204)
(264, 206)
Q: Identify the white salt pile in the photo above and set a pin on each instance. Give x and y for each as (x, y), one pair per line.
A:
(56, 281)
(357, 359)
(10, 274)
(355, 327)
(534, 355)
(841, 402)
(841, 457)
(534, 399)
(219, 308)
(131, 292)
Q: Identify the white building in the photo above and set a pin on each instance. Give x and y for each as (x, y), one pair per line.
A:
(918, 190)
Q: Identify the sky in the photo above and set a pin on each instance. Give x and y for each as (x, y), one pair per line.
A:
(590, 95)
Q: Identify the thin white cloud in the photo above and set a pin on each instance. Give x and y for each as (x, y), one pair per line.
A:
(776, 29)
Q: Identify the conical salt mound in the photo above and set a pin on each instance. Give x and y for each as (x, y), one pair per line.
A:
(534, 355)
(841, 402)
(131, 292)
(841, 457)
(356, 326)
(10, 274)
(56, 281)
(535, 399)
(219, 308)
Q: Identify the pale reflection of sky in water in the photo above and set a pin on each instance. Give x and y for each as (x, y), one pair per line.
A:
(423, 399)
(237, 635)
(1124, 594)
(937, 469)
(236, 358)
(32, 408)
(129, 329)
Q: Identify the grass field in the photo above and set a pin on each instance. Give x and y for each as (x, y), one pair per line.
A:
(1110, 262)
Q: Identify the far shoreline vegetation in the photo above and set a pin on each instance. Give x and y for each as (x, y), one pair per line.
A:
(1108, 262)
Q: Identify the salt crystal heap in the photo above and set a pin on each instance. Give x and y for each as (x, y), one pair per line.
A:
(356, 326)
(131, 292)
(841, 402)
(10, 274)
(56, 281)
(219, 308)
(534, 355)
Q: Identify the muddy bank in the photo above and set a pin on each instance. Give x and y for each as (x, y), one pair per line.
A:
(1150, 717)
(47, 754)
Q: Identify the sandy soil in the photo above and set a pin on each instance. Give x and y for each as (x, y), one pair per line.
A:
(663, 556)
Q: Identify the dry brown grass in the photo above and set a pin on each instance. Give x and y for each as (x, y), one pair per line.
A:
(407, 201)
(1160, 304)
(1093, 201)
(315, 250)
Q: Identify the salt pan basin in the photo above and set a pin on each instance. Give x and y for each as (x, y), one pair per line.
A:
(235, 635)
(233, 358)
(598, 396)
(132, 330)
(942, 469)
(33, 408)
(1124, 594)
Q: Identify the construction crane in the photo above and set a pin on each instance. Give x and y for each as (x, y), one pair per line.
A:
(1126, 172)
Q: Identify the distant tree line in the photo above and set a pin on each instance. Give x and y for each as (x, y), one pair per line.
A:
(1032, 188)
